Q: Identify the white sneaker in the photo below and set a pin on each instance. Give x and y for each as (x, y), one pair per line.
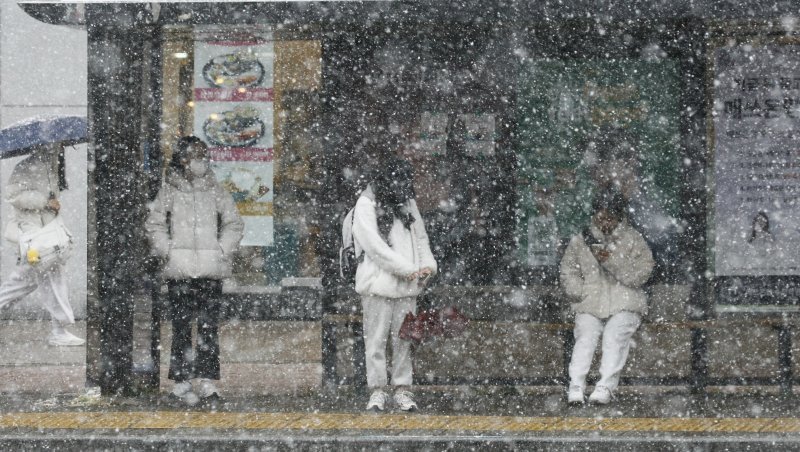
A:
(181, 388)
(575, 395)
(190, 399)
(207, 389)
(601, 395)
(377, 401)
(405, 401)
(64, 338)
(183, 392)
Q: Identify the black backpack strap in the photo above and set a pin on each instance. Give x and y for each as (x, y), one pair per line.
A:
(588, 238)
(360, 257)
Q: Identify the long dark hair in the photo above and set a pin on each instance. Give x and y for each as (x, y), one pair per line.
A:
(394, 187)
(763, 215)
(612, 202)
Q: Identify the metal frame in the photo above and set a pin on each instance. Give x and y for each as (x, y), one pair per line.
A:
(117, 199)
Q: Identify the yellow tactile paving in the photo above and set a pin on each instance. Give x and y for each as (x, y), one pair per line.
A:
(389, 422)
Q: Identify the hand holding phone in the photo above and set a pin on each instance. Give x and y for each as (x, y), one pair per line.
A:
(600, 252)
(424, 275)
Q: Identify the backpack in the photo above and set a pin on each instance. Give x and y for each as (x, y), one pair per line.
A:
(348, 261)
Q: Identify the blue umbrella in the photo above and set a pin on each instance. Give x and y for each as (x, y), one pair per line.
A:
(21, 138)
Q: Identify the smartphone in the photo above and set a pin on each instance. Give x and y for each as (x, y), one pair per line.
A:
(424, 279)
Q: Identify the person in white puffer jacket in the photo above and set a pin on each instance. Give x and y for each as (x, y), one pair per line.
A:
(194, 228)
(32, 190)
(389, 234)
(604, 269)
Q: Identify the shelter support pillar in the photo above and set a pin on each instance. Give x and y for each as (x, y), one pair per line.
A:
(117, 204)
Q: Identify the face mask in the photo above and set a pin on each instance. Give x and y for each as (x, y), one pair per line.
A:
(198, 167)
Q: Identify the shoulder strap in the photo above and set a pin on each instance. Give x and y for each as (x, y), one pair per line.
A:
(588, 238)
(347, 228)
(168, 201)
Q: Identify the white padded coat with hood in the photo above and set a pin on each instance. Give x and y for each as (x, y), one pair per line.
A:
(202, 232)
(615, 285)
(385, 266)
(28, 190)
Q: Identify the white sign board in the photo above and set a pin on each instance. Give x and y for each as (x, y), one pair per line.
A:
(757, 160)
(233, 113)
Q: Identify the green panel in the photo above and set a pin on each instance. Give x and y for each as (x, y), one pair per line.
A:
(562, 104)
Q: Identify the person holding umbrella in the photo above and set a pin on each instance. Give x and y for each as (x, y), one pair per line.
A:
(32, 190)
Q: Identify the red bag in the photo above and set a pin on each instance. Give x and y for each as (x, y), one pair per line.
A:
(445, 322)
(453, 321)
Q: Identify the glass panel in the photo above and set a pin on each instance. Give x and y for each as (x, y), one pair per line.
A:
(252, 98)
(444, 111)
(585, 125)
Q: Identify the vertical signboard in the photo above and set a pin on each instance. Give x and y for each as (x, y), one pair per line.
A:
(233, 113)
(757, 173)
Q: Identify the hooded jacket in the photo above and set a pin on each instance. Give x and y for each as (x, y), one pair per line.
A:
(615, 285)
(28, 190)
(195, 226)
(385, 266)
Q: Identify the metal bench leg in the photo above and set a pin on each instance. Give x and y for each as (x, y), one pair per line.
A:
(699, 350)
(330, 378)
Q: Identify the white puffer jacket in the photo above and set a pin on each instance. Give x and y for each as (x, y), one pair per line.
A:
(385, 266)
(28, 190)
(202, 231)
(614, 286)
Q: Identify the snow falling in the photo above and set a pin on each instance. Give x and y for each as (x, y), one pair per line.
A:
(438, 224)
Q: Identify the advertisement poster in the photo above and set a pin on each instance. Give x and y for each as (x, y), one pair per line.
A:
(565, 109)
(757, 180)
(756, 119)
(233, 113)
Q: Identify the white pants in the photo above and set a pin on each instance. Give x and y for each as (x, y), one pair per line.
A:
(382, 319)
(616, 333)
(25, 279)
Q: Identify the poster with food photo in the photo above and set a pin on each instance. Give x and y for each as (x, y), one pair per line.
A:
(250, 184)
(234, 126)
(235, 70)
(233, 113)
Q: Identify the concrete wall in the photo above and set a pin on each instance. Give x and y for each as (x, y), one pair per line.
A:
(43, 71)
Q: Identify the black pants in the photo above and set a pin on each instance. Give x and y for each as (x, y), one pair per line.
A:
(190, 299)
